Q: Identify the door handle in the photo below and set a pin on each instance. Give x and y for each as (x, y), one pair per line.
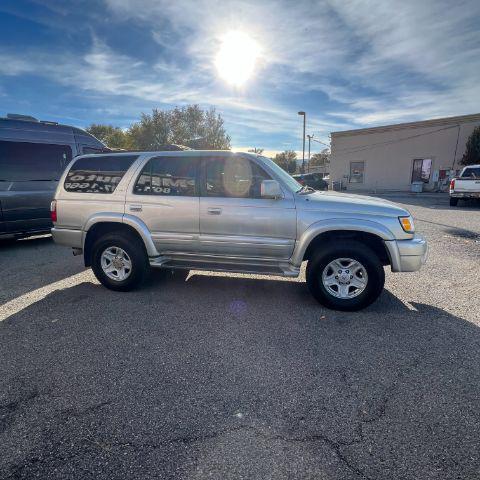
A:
(135, 208)
(214, 211)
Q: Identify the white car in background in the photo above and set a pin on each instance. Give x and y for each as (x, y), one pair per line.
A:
(466, 186)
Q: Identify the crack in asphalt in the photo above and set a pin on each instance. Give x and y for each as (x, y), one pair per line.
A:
(16, 471)
(336, 446)
(8, 410)
(73, 412)
(390, 391)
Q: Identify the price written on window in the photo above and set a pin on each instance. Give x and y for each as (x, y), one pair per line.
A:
(89, 182)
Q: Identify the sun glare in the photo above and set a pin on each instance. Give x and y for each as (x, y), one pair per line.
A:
(236, 59)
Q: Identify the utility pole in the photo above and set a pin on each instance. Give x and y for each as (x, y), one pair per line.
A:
(327, 145)
(303, 139)
(309, 140)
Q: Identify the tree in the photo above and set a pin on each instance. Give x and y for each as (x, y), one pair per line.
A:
(472, 151)
(256, 150)
(190, 126)
(321, 159)
(287, 160)
(113, 137)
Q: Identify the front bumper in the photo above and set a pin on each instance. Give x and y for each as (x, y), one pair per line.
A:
(407, 255)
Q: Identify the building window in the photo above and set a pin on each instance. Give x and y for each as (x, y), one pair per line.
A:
(357, 170)
(422, 169)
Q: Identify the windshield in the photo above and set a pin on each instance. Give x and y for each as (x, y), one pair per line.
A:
(471, 173)
(286, 178)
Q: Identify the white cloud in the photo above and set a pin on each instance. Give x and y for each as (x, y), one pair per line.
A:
(374, 61)
(396, 51)
(11, 65)
(103, 72)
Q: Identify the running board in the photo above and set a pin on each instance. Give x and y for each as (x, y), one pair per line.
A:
(283, 270)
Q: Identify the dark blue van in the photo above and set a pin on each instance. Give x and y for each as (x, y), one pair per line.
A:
(33, 155)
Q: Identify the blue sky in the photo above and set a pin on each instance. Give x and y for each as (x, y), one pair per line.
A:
(348, 64)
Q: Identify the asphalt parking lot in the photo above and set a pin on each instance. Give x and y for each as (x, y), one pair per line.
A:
(241, 376)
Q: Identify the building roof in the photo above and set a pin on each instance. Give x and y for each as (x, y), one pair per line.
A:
(401, 126)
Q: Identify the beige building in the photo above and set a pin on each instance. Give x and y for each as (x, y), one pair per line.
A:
(395, 156)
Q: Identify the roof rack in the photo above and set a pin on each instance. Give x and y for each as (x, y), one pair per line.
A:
(28, 118)
(23, 118)
(166, 147)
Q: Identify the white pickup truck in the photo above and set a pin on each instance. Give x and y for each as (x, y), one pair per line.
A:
(466, 186)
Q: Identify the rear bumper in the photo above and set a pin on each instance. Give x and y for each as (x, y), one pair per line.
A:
(465, 194)
(68, 237)
(407, 255)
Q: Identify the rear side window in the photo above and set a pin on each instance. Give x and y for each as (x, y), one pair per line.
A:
(99, 174)
(471, 173)
(172, 176)
(24, 161)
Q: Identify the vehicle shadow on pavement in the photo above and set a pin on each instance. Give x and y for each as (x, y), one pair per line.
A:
(236, 377)
(35, 242)
(32, 263)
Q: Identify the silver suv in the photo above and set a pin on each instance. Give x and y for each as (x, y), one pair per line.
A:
(225, 211)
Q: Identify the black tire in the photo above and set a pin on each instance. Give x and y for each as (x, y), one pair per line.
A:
(453, 202)
(136, 252)
(345, 249)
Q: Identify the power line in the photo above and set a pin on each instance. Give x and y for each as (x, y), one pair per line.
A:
(390, 142)
(323, 143)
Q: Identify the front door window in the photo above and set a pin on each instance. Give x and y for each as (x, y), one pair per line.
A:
(234, 177)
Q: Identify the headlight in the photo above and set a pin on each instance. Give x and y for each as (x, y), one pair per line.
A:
(407, 224)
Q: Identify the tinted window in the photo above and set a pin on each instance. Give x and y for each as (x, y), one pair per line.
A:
(471, 173)
(173, 176)
(23, 161)
(235, 177)
(98, 174)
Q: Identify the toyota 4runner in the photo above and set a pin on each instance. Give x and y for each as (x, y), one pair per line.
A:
(233, 212)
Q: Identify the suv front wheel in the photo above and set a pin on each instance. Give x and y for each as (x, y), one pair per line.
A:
(119, 261)
(347, 276)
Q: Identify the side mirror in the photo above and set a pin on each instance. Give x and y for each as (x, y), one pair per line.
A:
(270, 189)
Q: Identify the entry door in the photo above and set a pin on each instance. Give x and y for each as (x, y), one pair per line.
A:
(235, 220)
(164, 196)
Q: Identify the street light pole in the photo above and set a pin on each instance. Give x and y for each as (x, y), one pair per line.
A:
(309, 140)
(303, 152)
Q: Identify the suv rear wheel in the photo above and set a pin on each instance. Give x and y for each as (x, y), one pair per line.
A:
(347, 276)
(119, 261)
